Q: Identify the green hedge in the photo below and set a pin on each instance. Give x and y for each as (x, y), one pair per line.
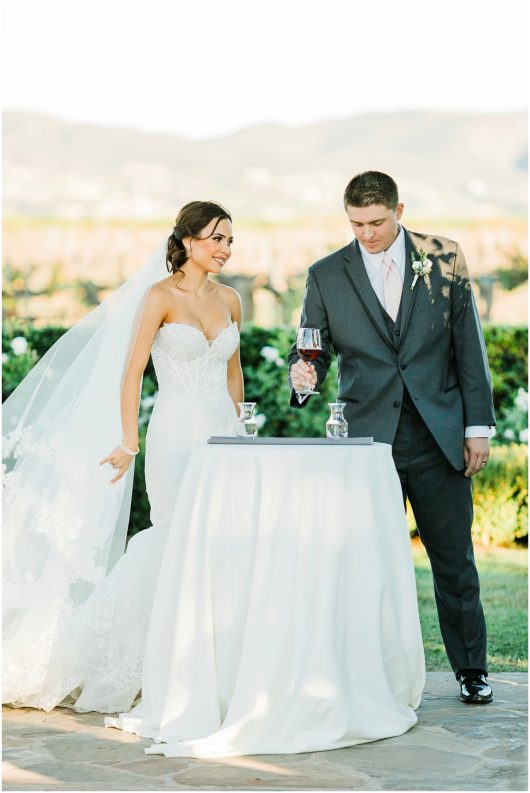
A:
(501, 496)
(265, 381)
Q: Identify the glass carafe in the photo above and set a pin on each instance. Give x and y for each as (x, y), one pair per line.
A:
(247, 426)
(336, 425)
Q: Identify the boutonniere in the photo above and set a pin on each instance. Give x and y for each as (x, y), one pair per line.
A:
(421, 266)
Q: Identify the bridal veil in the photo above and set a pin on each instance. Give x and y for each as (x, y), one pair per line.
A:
(65, 525)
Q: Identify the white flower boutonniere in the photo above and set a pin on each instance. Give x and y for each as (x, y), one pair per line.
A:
(421, 266)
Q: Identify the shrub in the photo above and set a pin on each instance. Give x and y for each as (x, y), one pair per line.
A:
(501, 494)
(511, 277)
(139, 518)
(16, 366)
(140, 509)
(508, 359)
(512, 424)
(14, 370)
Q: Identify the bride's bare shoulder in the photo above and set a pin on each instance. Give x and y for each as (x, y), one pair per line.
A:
(158, 298)
(160, 292)
(229, 294)
(232, 299)
(163, 286)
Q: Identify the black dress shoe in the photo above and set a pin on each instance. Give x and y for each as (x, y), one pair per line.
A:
(474, 688)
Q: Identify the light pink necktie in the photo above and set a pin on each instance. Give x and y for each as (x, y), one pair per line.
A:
(393, 287)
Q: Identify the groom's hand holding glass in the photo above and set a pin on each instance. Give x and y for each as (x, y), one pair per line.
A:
(309, 347)
(303, 373)
(303, 377)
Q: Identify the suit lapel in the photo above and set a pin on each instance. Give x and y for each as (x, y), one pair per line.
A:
(356, 273)
(408, 296)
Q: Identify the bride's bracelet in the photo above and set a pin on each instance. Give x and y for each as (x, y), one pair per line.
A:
(128, 451)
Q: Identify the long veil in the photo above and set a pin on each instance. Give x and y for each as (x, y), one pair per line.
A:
(64, 524)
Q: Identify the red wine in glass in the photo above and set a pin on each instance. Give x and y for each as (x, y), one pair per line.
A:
(309, 347)
(308, 355)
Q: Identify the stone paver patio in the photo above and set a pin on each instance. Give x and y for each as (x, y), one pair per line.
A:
(453, 747)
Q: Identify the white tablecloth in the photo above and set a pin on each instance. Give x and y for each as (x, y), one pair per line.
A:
(285, 618)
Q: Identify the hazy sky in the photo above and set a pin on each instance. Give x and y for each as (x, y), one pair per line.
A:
(202, 68)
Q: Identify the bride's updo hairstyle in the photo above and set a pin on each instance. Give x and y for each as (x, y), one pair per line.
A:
(191, 219)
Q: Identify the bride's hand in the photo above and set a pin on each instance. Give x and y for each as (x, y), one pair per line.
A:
(119, 461)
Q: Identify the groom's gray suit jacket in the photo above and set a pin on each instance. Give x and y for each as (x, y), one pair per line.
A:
(435, 348)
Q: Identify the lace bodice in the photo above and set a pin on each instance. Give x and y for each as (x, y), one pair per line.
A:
(187, 363)
(193, 403)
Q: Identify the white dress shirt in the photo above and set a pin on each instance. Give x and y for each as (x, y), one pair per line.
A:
(375, 269)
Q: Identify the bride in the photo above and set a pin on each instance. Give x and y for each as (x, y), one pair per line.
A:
(75, 624)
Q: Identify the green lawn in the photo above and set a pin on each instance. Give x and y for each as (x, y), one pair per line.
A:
(504, 593)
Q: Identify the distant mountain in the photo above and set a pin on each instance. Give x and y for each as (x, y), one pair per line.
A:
(452, 164)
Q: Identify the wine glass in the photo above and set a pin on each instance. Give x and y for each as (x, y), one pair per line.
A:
(309, 347)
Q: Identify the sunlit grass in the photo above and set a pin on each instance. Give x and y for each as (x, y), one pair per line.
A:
(504, 593)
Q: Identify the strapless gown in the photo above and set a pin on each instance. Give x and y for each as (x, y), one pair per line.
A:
(97, 661)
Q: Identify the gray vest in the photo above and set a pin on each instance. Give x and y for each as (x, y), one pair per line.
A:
(393, 327)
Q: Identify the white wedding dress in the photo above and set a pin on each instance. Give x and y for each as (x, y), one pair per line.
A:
(96, 660)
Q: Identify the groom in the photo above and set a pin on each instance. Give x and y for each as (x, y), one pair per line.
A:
(413, 372)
